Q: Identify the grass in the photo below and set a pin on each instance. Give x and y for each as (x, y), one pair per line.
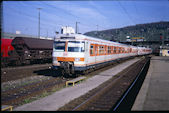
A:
(42, 95)
(21, 84)
(28, 100)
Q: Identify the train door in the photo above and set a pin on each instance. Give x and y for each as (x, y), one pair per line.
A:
(105, 52)
(96, 52)
(87, 49)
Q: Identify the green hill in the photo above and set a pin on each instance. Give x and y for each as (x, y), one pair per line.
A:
(150, 32)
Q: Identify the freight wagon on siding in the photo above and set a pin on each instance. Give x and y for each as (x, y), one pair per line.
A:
(29, 50)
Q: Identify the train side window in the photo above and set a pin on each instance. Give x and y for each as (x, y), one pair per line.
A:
(130, 50)
(119, 49)
(109, 49)
(123, 50)
(114, 49)
(105, 50)
(96, 47)
(91, 50)
(101, 50)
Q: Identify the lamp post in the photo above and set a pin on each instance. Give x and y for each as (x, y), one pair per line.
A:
(39, 23)
(97, 30)
(76, 27)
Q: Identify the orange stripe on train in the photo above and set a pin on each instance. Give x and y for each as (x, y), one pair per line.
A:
(68, 59)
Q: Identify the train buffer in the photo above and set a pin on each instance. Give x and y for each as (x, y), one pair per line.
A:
(76, 80)
(6, 108)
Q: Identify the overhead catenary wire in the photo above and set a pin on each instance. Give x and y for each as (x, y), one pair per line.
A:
(47, 14)
(51, 22)
(128, 15)
(32, 18)
(71, 15)
(75, 16)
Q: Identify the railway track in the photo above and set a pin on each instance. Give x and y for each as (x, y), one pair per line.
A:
(18, 95)
(23, 84)
(110, 95)
(25, 93)
(19, 72)
(24, 65)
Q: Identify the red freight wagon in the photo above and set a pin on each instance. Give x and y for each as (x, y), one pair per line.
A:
(6, 47)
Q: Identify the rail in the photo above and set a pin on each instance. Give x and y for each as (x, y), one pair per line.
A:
(103, 90)
(133, 90)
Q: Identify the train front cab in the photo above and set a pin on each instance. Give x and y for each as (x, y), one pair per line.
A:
(69, 55)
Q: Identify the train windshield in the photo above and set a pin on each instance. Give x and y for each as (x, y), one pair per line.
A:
(76, 46)
(59, 46)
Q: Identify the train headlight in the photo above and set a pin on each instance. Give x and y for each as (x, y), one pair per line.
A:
(77, 59)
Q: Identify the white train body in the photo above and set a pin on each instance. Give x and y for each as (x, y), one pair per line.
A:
(76, 52)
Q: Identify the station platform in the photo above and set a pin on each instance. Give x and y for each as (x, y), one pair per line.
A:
(154, 93)
(60, 98)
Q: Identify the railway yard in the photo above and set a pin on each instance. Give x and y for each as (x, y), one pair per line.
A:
(24, 87)
(88, 59)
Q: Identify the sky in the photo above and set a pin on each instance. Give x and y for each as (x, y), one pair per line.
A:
(91, 15)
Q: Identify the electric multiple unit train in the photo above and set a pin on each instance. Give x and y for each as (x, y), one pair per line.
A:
(77, 52)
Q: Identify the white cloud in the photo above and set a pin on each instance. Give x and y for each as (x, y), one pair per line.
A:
(79, 11)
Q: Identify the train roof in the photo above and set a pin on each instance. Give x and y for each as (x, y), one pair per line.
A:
(85, 37)
(34, 43)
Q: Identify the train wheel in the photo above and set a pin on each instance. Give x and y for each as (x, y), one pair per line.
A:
(62, 72)
(55, 73)
(85, 71)
(27, 62)
(17, 63)
(3, 65)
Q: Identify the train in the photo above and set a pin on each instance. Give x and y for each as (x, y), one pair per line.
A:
(79, 53)
(68, 53)
(25, 50)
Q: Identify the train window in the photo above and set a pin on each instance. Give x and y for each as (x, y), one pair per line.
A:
(105, 49)
(67, 37)
(123, 50)
(119, 49)
(114, 49)
(59, 46)
(109, 49)
(76, 46)
(130, 50)
(91, 50)
(101, 49)
(96, 47)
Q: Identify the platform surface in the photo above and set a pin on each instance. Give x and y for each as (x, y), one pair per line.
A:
(60, 98)
(154, 93)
